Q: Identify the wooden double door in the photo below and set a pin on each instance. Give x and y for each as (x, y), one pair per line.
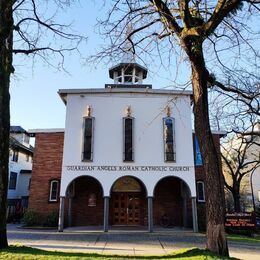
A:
(126, 208)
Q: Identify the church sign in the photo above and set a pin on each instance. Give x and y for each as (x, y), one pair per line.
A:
(243, 220)
(113, 168)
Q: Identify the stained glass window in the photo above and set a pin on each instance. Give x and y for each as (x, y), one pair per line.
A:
(169, 144)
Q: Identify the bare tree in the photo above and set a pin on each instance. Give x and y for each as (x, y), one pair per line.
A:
(206, 32)
(240, 157)
(237, 111)
(27, 27)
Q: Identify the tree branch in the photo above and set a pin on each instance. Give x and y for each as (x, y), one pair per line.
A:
(222, 9)
(166, 16)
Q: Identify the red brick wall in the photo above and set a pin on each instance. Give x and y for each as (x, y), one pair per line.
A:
(82, 214)
(168, 200)
(47, 164)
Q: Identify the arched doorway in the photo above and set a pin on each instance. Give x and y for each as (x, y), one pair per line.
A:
(128, 202)
(172, 203)
(84, 204)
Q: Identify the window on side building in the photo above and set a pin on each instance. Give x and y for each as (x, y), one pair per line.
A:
(169, 142)
(54, 191)
(87, 154)
(12, 180)
(128, 139)
(15, 156)
(200, 191)
(29, 184)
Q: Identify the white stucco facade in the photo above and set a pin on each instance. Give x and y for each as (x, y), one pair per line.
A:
(108, 108)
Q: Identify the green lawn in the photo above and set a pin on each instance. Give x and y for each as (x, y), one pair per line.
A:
(245, 239)
(22, 252)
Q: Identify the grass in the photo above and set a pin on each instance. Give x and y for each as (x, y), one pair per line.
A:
(244, 239)
(23, 252)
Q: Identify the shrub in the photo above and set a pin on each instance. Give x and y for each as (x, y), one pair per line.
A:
(52, 219)
(30, 218)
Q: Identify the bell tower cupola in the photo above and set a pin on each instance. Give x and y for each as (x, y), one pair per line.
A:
(128, 73)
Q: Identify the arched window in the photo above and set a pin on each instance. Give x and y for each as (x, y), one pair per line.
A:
(128, 155)
(200, 191)
(54, 191)
(87, 153)
(169, 142)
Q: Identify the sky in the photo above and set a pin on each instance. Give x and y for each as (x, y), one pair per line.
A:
(34, 99)
(34, 85)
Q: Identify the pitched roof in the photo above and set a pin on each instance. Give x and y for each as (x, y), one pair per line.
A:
(17, 129)
(16, 144)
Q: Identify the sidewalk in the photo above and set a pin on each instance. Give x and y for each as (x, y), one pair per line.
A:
(124, 242)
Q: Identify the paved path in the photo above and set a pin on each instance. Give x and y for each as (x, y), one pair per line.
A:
(125, 242)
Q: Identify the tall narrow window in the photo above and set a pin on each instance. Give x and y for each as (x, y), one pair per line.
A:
(87, 154)
(54, 190)
(200, 191)
(169, 144)
(128, 139)
(12, 180)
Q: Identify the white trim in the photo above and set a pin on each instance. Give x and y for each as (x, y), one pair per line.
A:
(47, 130)
(96, 91)
(124, 90)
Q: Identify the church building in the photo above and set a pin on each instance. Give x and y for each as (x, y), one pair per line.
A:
(127, 157)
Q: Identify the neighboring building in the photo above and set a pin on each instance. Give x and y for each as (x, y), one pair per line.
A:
(255, 176)
(244, 153)
(20, 166)
(125, 157)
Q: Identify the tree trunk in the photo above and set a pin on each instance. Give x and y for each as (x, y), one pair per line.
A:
(215, 200)
(236, 198)
(6, 42)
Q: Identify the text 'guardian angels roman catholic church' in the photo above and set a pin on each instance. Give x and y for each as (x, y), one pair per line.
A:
(126, 157)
